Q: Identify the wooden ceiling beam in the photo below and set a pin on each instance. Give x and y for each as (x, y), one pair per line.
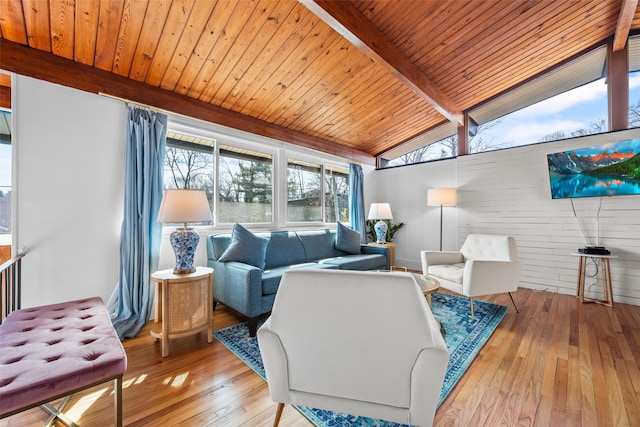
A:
(5, 90)
(5, 97)
(46, 66)
(350, 23)
(627, 11)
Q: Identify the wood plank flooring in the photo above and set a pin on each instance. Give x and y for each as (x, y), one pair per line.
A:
(556, 363)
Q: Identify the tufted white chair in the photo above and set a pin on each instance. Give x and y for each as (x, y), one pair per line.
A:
(356, 342)
(486, 264)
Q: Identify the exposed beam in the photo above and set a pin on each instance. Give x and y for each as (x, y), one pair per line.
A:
(351, 24)
(5, 97)
(627, 11)
(46, 66)
(463, 136)
(618, 87)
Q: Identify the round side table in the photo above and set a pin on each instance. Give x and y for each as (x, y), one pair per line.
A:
(183, 305)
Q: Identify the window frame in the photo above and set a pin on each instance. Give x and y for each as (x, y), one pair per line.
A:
(301, 156)
(218, 158)
(280, 152)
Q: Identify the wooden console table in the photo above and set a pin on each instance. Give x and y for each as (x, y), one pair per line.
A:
(183, 305)
(606, 278)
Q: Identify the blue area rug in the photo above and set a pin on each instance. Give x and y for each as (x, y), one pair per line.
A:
(464, 337)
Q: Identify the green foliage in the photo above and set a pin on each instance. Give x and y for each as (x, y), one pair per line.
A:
(629, 168)
(392, 229)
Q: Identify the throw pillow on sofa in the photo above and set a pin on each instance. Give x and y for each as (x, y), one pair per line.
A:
(347, 240)
(245, 247)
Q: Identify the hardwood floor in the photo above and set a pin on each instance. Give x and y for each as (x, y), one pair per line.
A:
(556, 363)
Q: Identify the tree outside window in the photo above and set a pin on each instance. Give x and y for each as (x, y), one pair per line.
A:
(244, 189)
(336, 183)
(189, 165)
(304, 187)
(308, 192)
(245, 186)
(578, 112)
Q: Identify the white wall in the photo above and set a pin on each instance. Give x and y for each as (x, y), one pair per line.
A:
(68, 184)
(405, 189)
(507, 192)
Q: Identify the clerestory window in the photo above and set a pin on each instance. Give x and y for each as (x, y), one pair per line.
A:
(566, 102)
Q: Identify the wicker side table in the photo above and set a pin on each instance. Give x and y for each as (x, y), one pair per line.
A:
(183, 305)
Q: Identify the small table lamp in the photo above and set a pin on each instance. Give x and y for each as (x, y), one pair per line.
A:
(441, 197)
(184, 206)
(380, 211)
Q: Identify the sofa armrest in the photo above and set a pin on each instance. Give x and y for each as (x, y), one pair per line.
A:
(490, 277)
(377, 250)
(439, 258)
(238, 286)
(274, 359)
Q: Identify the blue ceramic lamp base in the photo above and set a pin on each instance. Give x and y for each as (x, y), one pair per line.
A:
(380, 228)
(184, 242)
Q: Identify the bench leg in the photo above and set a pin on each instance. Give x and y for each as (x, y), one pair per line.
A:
(117, 400)
(56, 413)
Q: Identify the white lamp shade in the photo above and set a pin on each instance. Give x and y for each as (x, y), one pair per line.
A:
(442, 197)
(380, 211)
(184, 206)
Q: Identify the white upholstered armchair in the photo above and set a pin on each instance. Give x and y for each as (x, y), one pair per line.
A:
(362, 343)
(486, 264)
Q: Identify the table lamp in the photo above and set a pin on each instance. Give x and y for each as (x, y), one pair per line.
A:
(184, 206)
(441, 197)
(380, 211)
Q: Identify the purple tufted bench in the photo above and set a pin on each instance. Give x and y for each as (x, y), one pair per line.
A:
(53, 351)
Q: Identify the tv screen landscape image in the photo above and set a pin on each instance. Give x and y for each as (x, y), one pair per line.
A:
(611, 169)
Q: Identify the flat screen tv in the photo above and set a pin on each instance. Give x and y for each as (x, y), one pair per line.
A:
(611, 169)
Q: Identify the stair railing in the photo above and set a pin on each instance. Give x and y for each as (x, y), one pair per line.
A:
(11, 287)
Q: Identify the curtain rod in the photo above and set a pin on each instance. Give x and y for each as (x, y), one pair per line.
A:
(134, 103)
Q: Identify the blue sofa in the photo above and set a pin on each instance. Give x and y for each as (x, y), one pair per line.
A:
(250, 291)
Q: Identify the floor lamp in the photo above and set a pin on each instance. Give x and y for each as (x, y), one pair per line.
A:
(441, 197)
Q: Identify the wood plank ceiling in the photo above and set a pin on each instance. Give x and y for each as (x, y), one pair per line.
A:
(350, 78)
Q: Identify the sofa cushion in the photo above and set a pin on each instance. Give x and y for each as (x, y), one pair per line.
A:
(450, 272)
(347, 240)
(271, 277)
(245, 247)
(319, 244)
(284, 248)
(360, 262)
(219, 244)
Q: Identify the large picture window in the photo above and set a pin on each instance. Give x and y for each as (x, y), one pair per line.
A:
(245, 186)
(316, 193)
(249, 183)
(189, 164)
(336, 183)
(304, 190)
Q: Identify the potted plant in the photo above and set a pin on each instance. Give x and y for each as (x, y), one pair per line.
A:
(392, 229)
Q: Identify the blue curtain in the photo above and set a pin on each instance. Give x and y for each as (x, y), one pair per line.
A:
(356, 201)
(131, 302)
